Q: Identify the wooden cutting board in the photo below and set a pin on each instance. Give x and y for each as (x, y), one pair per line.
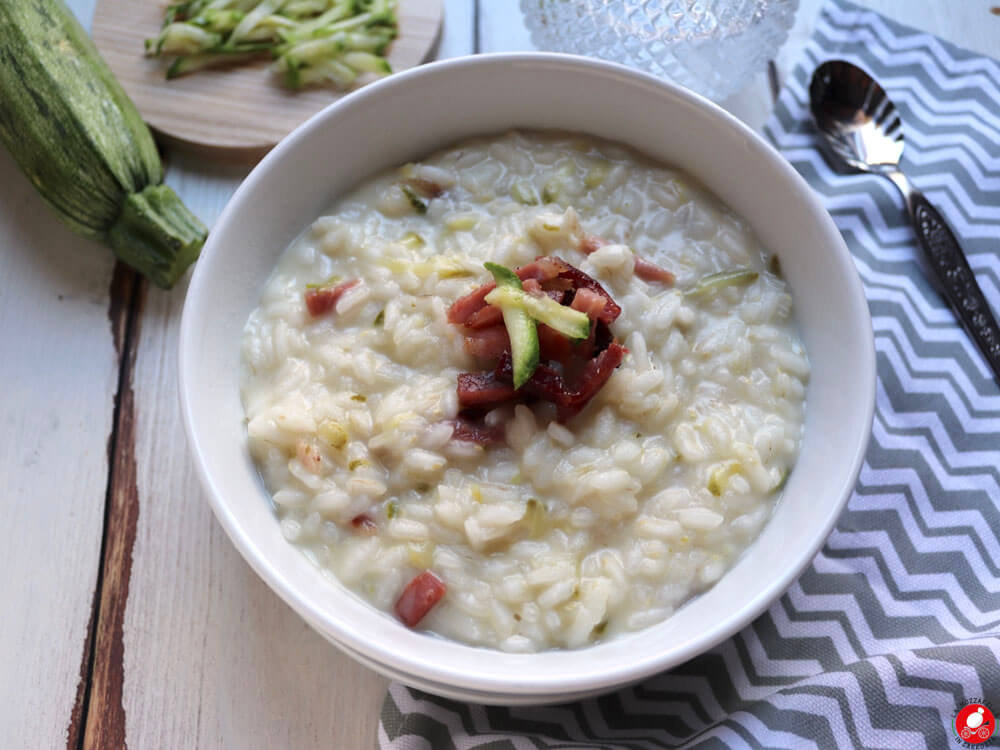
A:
(240, 112)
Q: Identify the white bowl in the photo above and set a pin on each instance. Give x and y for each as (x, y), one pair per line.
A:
(406, 117)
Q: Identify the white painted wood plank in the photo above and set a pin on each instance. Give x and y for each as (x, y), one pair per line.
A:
(458, 30)
(501, 27)
(213, 659)
(58, 371)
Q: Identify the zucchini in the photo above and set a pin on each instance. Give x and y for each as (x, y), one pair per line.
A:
(183, 39)
(366, 62)
(520, 326)
(715, 281)
(571, 323)
(192, 63)
(418, 203)
(82, 144)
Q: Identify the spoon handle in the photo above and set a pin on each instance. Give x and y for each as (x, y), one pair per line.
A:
(957, 280)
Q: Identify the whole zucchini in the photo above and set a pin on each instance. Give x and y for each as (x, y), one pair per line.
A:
(80, 140)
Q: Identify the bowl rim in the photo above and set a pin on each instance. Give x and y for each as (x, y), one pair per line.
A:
(540, 685)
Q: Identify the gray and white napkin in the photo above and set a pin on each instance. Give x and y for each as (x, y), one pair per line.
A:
(896, 625)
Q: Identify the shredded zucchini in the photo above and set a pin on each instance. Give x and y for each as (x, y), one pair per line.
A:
(446, 267)
(719, 478)
(420, 554)
(418, 203)
(461, 222)
(716, 281)
(536, 518)
(596, 174)
(525, 193)
(332, 433)
(312, 41)
(329, 281)
(412, 239)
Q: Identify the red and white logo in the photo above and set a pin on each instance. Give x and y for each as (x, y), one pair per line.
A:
(975, 723)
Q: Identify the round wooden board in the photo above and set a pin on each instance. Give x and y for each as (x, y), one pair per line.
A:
(240, 112)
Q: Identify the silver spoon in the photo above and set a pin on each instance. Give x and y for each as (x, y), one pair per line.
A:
(860, 131)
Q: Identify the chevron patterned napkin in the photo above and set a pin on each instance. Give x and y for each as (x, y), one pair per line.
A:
(894, 628)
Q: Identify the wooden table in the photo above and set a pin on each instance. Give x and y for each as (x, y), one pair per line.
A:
(128, 617)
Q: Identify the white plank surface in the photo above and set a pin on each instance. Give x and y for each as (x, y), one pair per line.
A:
(212, 657)
(58, 373)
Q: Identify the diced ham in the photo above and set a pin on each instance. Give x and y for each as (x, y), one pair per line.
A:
(644, 269)
(590, 302)
(542, 268)
(557, 285)
(474, 432)
(483, 390)
(552, 344)
(484, 317)
(419, 596)
(532, 286)
(548, 384)
(598, 339)
(544, 271)
(464, 307)
(535, 287)
(593, 378)
(649, 271)
(321, 301)
(488, 343)
(569, 373)
(583, 281)
(591, 242)
(364, 524)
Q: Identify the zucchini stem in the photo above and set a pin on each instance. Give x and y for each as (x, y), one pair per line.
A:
(157, 235)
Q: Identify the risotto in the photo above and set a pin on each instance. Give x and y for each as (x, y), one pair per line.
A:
(518, 522)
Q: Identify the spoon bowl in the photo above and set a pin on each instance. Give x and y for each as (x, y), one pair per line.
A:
(860, 131)
(861, 127)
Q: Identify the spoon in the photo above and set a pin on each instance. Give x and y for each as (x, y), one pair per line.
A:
(860, 131)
